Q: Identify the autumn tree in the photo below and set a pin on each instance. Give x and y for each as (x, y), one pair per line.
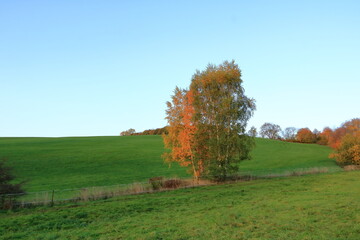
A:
(252, 132)
(180, 139)
(348, 152)
(305, 135)
(222, 111)
(324, 136)
(349, 127)
(346, 142)
(207, 123)
(270, 130)
(128, 132)
(352, 126)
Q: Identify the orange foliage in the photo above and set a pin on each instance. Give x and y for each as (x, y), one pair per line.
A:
(348, 151)
(346, 141)
(324, 136)
(349, 127)
(207, 123)
(352, 126)
(336, 136)
(305, 135)
(181, 131)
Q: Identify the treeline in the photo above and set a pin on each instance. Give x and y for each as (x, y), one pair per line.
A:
(345, 140)
(156, 131)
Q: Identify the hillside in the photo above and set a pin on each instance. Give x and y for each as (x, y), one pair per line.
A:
(321, 206)
(75, 162)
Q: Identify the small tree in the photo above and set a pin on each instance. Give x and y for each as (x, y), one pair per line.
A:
(270, 130)
(252, 132)
(324, 136)
(128, 132)
(348, 127)
(346, 142)
(289, 133)
(305, 135)
(180, 139)
(7, 187)
(348, 153)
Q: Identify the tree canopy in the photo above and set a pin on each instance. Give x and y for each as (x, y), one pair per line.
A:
(346, 142)
(207, 122)
(270, 130)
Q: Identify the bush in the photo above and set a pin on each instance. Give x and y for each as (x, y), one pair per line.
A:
(8, 190)
(348, 153)
(173, 183)
(156, 182)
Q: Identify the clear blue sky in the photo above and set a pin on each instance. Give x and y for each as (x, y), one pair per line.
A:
(88, 68)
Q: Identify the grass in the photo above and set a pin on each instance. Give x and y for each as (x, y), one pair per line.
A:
(77, 162)
(62, 163)
(324, 206)
(272, 157)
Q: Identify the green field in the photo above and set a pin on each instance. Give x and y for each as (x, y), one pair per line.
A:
(324, 206)
(63, 163)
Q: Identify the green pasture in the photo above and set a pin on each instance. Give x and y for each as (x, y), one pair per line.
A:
(324, 206)
(273, 156)
(63, 163)
(77, 162)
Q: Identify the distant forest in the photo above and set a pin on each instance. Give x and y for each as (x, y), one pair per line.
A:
(156, 131)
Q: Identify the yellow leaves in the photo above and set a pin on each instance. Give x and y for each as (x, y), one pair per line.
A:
(348, 151)
(355, 153)
(205, 121)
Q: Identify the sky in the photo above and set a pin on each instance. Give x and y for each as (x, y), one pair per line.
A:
(96, 68)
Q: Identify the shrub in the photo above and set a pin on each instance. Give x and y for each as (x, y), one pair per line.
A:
(8, 190)
(174, 183)
(348, 153)
(156, 182)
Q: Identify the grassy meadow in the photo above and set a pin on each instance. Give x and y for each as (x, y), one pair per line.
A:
(324, 206)
(76, 162)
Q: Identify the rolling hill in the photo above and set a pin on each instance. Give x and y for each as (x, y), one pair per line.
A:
(76, 162)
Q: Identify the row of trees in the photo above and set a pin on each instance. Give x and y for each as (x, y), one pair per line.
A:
(345, 140)
(291, 134)
(207, 122)
(156, 131)
(128, 132)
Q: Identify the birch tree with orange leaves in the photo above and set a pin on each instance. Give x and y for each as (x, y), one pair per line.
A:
(181, 131)
(207, 123)
(222, 111)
